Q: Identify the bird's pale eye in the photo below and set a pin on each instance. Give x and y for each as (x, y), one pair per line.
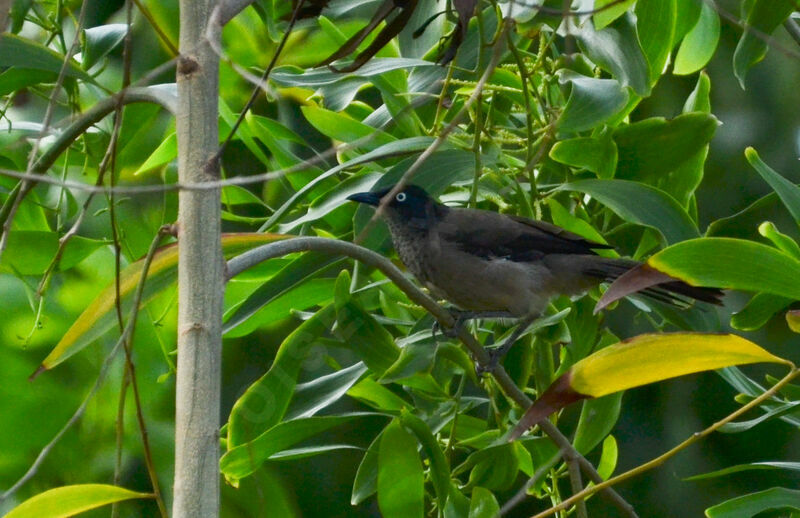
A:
(401, 197)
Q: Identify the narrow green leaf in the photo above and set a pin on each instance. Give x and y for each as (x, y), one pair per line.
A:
(699, 45)
(245, 459)
(401, 484)
(641, 204)
(783, 242)
(366, 482)
(301, 269)
(737, 264)
(750, 505)
(762, 18)
(265, 402)
(483, 504)
(788, 192)
(743, 426)
(165, 153)
(439, 466)
(70, 500)
(311, 397)
(792, 466)
(359, 330)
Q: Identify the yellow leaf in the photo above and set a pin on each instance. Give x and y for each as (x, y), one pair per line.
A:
(70, 500)
(655, 357)
(638, 361)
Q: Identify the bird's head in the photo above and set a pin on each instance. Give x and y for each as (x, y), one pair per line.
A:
(411, 206)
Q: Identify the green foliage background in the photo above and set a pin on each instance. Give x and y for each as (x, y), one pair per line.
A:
(285, 128)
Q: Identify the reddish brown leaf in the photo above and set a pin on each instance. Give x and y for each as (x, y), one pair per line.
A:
(557, 396)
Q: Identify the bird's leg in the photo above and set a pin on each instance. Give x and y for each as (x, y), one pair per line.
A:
(461, 316)
(496, 354)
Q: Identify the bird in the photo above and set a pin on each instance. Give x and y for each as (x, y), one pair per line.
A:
(492, 265)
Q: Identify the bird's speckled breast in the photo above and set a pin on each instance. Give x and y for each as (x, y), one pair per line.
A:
(410, 245)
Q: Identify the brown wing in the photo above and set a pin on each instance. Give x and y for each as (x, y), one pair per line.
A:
(489, 234)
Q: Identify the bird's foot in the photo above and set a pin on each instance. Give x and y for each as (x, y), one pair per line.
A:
(459, 317)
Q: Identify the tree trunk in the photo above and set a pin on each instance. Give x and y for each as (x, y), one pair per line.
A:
(200, 273)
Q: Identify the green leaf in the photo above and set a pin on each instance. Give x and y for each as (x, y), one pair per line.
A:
(359, 330)
(655, 146)
(591, 102)
(366, 482)
(792, 466)
(639, 361)
(70, 500)
(758, 311)
(606, 13)
(781, 241)
(598, 155)
(737, 264)
(305, 267)
(616, 50)
(311, 397)
(16, 51)
(401, 484)
(743, 426)
(598, 417)
(483, 504)
(393, 149)
(343, 128)
(439, 466)
(788, 192)
(32, 252)
(245, 459)
(99, 41)
(699, 45)
(655, 25)
(608, 458)
(750, 505)
(18, 78)
(762, 18)
(165, 153)
(641, 204)
(264, 403)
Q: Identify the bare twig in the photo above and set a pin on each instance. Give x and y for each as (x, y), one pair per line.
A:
(671, 453)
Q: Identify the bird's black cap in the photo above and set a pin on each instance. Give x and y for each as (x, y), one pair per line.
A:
(412, 192)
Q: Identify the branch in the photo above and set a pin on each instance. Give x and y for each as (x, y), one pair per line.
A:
(375, 260)
(671, 453)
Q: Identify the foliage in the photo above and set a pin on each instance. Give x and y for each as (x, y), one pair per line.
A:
(533, 113)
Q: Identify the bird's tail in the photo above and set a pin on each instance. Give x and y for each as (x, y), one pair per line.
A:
(675, 292)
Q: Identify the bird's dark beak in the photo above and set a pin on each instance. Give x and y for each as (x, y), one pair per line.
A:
(370, 198)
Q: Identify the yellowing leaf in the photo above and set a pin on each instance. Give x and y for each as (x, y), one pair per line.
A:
(99, 316)
(641, 360)
(70, 500)
(655, 357)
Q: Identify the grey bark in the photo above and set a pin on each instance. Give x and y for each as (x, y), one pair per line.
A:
(200, 273)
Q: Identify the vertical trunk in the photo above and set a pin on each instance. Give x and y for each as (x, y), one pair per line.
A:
(200, 273)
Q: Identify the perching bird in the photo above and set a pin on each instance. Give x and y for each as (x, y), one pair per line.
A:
(494, 265)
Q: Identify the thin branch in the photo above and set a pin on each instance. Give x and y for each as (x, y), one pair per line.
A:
(101, 376)
(443, 316)
(793, 373)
